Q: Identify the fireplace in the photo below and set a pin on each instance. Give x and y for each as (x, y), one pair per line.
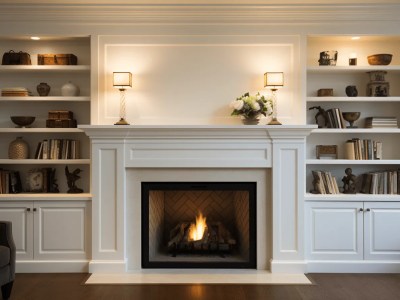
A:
(199, 225)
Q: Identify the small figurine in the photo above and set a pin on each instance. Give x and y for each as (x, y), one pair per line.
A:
(321, 118)
(71, 178)
(349, 182)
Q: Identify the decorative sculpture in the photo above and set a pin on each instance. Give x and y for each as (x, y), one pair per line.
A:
(349, 182)
(71, 179)
(321, 118)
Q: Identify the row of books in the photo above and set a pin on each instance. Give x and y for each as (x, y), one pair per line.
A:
(15, 92)
(10, 182)
(324, 183)
(365, 149)
(381, 182)
(335, 118)
(381, 122)
(58, 149)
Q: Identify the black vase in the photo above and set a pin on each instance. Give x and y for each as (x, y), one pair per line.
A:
(43, 89)
(351, 91)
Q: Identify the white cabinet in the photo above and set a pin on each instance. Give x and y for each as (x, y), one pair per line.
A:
(49, 230)
(352, 230)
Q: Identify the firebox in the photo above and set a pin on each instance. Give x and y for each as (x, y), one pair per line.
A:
(199, 225)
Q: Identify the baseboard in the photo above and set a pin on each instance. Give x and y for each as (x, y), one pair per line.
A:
(107, 266)
(288, 267)
(43, 266)
(353, 267)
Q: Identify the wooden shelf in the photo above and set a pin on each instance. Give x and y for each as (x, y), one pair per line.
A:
(47, 99)
(352, 162)
(41, 130)
(6, 161)
(47, 68)
(352, 197)
(46, 197)
(353, 99)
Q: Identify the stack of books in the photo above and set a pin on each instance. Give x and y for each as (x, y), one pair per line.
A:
(381, 182)
(335, 118)
(15, 92)
(381, 122)
(58, 149)
(363, 149)
(325, 183)
(10, 182)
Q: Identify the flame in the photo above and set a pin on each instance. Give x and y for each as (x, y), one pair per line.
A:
(196, 232)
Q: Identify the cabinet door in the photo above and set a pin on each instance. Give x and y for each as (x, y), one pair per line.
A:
(382, 230)
(21, 216)
(334, 230)
(61, 230)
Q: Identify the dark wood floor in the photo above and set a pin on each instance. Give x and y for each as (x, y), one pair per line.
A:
(326, 286)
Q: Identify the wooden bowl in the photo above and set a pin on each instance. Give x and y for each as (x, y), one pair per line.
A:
(380, 59)
(22, 121)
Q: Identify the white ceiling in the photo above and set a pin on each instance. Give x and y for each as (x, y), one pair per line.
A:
(191, 2)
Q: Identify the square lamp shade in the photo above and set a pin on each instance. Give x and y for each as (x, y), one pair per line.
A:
(122, 80)
(273, 80)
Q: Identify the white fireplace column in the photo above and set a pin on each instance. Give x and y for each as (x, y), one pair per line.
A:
(118, 149)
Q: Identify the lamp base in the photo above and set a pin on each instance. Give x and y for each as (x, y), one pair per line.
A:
(122, 121)
(274, 121)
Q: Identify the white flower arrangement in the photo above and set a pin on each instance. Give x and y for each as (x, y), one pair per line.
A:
(252, 106)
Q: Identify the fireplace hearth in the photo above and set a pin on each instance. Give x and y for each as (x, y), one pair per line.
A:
(199, 225)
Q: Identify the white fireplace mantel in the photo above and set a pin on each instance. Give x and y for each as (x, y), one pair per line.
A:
(118, 150)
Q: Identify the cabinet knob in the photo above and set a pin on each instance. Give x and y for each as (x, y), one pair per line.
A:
(34, 209)
(361, 209)
(368, 209)
(28, 209)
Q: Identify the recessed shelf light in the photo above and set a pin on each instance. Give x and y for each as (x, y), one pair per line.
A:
(35, 38)
(355, 37)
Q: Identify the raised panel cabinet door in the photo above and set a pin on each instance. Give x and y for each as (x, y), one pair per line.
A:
(21, 216)
(382, 230)
(334, 230)
(61, 230)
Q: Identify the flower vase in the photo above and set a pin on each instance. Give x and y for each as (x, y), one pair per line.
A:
(251, 121)
(18, 149)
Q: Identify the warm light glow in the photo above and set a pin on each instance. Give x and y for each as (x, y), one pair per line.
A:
(35, 38)
(273, 79)
(355, 38)
(196, 232)
(122, 80)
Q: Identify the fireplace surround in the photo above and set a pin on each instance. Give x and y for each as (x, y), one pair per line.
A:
(125, 156)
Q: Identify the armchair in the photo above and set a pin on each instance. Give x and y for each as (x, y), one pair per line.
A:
(7, 259)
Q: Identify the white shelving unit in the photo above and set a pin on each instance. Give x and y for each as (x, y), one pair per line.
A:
(29, 76)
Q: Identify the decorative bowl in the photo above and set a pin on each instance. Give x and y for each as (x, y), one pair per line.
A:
(22, 121)
(380, 59)
(351, 117)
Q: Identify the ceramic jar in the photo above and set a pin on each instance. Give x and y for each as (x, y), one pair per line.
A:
(18, 149)
(43, 89)
(351, 91)
(70, 89)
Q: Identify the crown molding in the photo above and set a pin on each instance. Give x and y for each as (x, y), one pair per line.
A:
(198, 14)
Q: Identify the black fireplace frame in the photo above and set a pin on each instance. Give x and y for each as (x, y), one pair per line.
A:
(250, 187)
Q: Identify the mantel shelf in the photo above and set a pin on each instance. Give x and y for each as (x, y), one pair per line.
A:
(352, 162)
(5, 161)
(353, 99)
(47, 99)
(44, 68)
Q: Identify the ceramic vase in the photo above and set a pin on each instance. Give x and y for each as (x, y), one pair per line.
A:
(351, 91)
(18, 149)
(70, 89)
(43, 89)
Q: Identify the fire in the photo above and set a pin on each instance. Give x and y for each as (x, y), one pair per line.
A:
(196, 232)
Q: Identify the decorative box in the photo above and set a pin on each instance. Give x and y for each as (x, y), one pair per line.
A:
(60, 115)
(57, 59)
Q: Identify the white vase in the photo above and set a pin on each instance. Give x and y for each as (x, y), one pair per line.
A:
(70, 89)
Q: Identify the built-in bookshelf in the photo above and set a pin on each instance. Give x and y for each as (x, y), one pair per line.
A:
(49, 148)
